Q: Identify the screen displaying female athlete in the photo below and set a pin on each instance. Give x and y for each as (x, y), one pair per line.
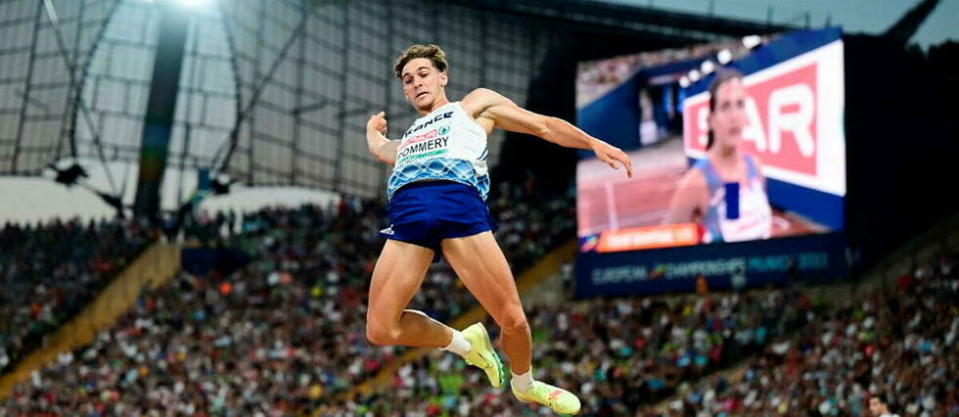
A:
(701, 196)
(437, 191)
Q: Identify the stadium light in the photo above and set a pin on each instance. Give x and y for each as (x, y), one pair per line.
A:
(694, 75)
(752, 41)
(192, 3)
(683, 82)
(707, 67)
(724, 57)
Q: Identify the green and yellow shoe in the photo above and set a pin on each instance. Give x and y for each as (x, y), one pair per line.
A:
(557, 399)
(482, 355)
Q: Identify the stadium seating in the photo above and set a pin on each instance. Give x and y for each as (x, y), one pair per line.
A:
(900, 342)
(49, 271)
(284, 335)
(618, 354)
(288, 328)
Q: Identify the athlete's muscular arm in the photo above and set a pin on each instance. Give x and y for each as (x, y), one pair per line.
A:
(489, 108)
(380, 146)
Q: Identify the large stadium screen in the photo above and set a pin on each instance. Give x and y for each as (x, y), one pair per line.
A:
(730, 142)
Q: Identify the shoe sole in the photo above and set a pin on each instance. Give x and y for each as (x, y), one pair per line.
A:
(556, 412)
(543, 405)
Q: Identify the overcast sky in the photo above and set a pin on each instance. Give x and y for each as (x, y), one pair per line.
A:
(869, 16)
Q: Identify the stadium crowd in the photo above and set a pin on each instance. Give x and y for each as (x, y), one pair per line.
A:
(618, 354)
(899, 342)
(275, 337)
(285, 335)
(49, 271)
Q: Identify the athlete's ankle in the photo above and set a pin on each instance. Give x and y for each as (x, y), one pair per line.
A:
(458, 344)
(522, 382)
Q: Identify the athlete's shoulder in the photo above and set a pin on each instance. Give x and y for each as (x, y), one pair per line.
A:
(480, 99)
(481, 92)
(695, 176)
(754, 165)
(701, 164)
(753, 159)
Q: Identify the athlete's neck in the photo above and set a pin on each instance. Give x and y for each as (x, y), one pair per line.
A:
(725, 157)
(725, 153)
(439, 102)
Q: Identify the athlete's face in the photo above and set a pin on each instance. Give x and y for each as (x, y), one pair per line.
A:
(876, 407)
(422, 83)
(728, 118)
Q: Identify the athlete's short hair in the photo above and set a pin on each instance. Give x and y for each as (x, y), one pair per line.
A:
(431, 52)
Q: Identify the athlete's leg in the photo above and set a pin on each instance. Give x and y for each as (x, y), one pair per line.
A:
(480, 264)
(398, 274)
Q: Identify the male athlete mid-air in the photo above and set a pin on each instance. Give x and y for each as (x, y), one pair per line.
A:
(437, 206)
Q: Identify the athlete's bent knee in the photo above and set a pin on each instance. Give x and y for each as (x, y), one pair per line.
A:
(514, 322)
(381, 334)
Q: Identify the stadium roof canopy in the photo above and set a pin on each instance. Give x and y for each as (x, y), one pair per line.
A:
(275, 92)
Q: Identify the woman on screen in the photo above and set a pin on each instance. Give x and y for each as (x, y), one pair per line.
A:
(707, 193)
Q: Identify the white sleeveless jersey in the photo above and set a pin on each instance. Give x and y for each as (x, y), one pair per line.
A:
(446, 144)
(755, 215)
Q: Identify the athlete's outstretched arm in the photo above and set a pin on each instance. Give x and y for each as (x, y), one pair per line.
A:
(504, 114)
(380, 146)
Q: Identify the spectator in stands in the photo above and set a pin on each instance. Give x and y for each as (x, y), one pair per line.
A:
(49, 271)
(274, 338)
(901, 344)
(879, 407)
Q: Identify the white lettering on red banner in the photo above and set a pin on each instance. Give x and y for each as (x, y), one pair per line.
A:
(794, 110)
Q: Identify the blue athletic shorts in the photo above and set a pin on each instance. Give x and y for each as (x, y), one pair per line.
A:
(425, 213)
